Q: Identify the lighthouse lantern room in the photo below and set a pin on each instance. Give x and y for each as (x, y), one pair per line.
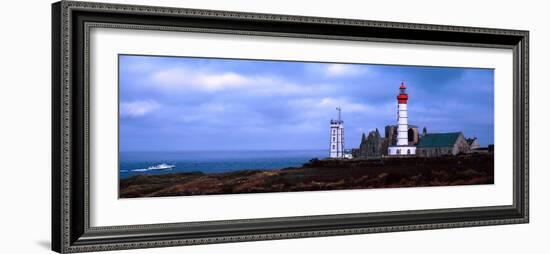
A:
(402, 147)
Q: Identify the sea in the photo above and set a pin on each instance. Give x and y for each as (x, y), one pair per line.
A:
(135, 163)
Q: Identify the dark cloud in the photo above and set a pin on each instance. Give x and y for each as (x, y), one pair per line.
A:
(170, 103)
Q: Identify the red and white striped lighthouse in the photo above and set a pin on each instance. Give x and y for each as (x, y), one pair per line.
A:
(402, 147)
(402, 121)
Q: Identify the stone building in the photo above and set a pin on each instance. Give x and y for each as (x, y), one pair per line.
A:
(374, 145)
(370, 147)
(439, 144)
(390, 133)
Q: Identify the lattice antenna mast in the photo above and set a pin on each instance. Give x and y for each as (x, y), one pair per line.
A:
(339, 113)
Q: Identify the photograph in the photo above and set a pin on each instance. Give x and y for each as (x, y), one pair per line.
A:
(179, 125)
(205, 126)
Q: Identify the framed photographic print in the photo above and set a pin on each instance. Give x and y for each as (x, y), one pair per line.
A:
(181, 126)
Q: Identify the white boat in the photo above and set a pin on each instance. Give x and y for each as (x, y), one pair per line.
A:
(162, 166)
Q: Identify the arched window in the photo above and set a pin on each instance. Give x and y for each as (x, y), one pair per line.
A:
(398, 151)
(408, 151)
(410, 133)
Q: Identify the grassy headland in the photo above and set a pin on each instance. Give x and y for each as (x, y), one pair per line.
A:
(326, 174)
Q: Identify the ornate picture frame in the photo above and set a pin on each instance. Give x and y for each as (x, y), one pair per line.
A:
(71, 24)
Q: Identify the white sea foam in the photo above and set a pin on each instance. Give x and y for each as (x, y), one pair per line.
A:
(141, 170)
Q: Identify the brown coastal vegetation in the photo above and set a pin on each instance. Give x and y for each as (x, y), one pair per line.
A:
(326, 174)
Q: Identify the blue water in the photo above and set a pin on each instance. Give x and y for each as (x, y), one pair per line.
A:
(214, 161)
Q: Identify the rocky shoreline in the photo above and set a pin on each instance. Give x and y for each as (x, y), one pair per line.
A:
(326, 174)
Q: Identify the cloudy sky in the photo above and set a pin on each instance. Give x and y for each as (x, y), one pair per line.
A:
(179, 103)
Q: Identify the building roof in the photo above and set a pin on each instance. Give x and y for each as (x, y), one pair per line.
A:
(439, 139)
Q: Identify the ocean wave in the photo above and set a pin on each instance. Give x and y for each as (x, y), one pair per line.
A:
(141, 170)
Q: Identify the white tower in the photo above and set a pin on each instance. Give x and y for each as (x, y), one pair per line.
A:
(337, 136)
(402, 121)
(402, 145)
